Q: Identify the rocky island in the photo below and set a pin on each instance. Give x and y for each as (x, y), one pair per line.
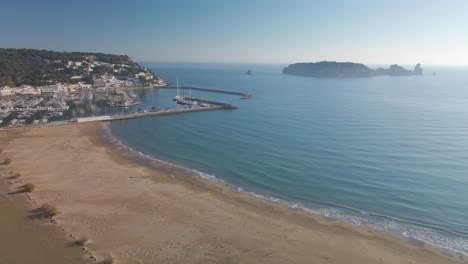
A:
(332, 69)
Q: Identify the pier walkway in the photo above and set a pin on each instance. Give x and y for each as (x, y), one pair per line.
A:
(244, 95)
(126, 116)
(200, 106)
(155, 113)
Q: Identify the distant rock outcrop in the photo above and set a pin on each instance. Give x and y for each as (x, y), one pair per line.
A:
(396, 70)
(418, 70)
(332, 69)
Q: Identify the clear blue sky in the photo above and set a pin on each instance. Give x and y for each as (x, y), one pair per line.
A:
(265, 31)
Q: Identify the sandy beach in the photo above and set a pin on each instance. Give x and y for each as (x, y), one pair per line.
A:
(25, 237)
(161, 214)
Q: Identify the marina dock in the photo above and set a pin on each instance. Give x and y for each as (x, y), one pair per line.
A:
(243, 95)
(107, 118)
(219, 106)
(190, 104)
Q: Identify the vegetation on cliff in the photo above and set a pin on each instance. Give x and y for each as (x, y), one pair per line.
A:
(42, 67)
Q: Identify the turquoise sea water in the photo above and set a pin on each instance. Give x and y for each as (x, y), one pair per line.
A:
(386, 152)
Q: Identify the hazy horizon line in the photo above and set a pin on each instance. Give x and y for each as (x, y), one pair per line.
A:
(247, 62)
(287, 63)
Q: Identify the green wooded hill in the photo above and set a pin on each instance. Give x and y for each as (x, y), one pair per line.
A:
(41, 67)
(332, 69)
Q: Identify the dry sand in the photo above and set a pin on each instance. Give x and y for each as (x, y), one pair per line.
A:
(140, 214)
(24, 236)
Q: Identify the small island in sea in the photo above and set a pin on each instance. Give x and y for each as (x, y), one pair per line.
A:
(332, 69)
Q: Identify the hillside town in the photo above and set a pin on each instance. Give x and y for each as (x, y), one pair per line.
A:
(93, 81)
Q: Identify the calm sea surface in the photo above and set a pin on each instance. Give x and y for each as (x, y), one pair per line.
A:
(386, 152)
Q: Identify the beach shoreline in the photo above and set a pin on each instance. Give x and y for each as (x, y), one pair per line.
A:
(214, 225)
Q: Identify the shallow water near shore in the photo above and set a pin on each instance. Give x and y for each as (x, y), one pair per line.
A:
(389, 153)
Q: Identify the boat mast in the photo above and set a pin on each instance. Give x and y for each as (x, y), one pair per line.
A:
(177, 86)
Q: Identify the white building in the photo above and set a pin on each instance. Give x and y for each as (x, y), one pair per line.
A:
(93, 119)
(73, 87)
(5, 91)
(139, 74)
(85, 85)
(28, 90)
(49, 88)
(99, 82)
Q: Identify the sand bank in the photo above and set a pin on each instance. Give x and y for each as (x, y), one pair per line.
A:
(143, 215)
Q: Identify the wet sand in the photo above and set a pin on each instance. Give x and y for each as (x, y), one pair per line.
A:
(159, 214)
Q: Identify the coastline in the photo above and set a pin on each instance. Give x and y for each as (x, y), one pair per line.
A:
(159, 212)
(404, 229)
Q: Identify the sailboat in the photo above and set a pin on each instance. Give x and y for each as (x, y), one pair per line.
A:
(177, 97)
(191, 101)
(249, 72)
